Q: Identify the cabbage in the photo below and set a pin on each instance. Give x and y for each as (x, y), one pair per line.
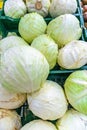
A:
(11, 41)
(23, 69)
(14, 8)
(39, 125)
(59, 7)
(47, 47)
(75, 89)
(49, 103)
(72, 120)
(10, 100)
(9, 120)
(31, 25)
(39, 6)
(73, 55)
(64, 29)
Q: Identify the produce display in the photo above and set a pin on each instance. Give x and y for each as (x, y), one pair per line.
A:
(43, 65)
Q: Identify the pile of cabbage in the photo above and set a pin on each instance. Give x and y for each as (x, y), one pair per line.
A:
(24, 75)
(49, 37)
(27, 60)
(18, 8)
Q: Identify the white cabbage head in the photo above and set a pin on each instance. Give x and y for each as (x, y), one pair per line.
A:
(59, 7)
(10, 100)
(9, 120)
(73, 55)
(72, 120)
(39, 125)
(49, 103)
(15, 8)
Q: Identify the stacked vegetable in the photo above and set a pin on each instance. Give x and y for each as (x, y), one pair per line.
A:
(17, 9)
(26, 61)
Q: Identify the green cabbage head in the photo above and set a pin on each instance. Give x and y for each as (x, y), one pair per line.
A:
(23, 69)
(76, 90)
(31, 25)
(47, 47)
(64, 28)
